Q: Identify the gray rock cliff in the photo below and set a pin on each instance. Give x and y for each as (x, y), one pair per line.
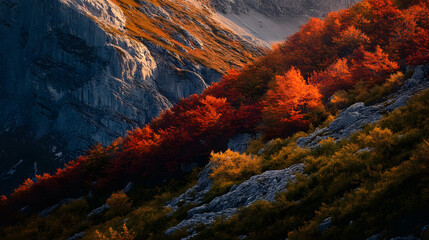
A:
(67, 83)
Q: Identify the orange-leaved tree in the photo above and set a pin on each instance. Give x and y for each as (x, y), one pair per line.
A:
(384, 16)
(336, 77)
(372, 67)
(350, 39)
(287, 103)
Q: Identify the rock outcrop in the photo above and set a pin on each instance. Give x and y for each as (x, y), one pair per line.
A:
(260, 187)
(74, 72)
(195, 194)
(240, 142)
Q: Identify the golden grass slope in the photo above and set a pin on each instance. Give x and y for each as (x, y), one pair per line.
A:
(221, 48)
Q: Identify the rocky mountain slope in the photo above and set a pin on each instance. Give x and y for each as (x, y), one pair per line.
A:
(328, 138)
(197, 213)
(74, 73)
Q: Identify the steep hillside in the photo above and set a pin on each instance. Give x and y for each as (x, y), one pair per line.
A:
(74, 73)
(361, 173)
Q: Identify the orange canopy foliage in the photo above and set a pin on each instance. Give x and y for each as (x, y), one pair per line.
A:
(349, 40)
(384, 16)
(287, 103)
(372, 67)
(335, 77)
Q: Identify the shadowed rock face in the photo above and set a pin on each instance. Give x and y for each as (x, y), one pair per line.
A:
(66, 83)
(276, 8)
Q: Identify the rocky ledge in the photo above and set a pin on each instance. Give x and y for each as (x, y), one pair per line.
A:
(260, 187)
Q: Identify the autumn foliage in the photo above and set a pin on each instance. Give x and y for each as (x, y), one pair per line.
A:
(230, 165)
(119, 204)
(287, 103)
(277, 93)
(372, 67)
(336, 77)
(125, 234)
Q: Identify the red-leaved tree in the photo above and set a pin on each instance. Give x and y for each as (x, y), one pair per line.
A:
(287, 103)
(371, 67)
(335, 77)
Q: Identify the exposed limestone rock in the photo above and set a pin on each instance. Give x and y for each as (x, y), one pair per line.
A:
(77, 236)
(128, 187)
(265, 22)
(195, 194)
(349, 120)
(260, 187)
(354, 117)
(99, 210)
(327, 223)
(153, 11)
(48, 210)
(240, 142)
(409, 237)
(367, 149)
(374, 237)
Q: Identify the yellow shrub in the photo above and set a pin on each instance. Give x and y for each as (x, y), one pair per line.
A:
(380, 139)
(232, 165)
(114, 235)
(395, 80)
